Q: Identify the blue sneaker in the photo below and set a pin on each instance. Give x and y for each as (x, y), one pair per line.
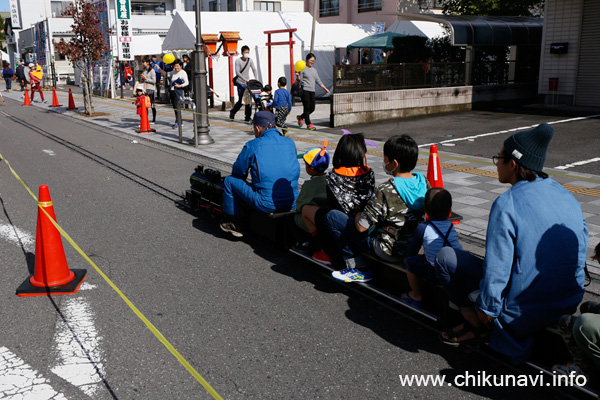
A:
(352, 275)
(175, 126)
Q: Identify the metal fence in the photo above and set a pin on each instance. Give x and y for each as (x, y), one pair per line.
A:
(373, 77)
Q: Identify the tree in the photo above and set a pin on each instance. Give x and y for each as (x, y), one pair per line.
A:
(498, 8)
(87, 47)
(2, 34)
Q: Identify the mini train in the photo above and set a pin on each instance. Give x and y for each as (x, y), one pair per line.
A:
(389, 280)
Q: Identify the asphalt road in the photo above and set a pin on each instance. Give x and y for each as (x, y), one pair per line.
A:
(574, 139)
(256, 323)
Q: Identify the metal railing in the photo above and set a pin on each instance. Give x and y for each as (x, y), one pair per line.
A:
(373, 77)
(366, 5)
(328, 12)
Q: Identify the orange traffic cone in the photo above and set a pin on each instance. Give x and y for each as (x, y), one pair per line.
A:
(144, 124)
(434, 169)
(54, 99)
(27, 102)
(71, 101)
(51, 274)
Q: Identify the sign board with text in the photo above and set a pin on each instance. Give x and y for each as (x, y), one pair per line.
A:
(124, 32)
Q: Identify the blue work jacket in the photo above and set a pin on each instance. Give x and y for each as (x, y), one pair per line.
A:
(273, 165)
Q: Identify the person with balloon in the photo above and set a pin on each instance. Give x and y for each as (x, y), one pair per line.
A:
(178, 82)
(308, 78)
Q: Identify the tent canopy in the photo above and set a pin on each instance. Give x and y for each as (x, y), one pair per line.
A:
(418, 28)
(382, 41)
(146, 45)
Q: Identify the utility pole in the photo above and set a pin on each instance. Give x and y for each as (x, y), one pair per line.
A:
(312, 35)
(200, 93)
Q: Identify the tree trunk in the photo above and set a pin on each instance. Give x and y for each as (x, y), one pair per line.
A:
(87, 92)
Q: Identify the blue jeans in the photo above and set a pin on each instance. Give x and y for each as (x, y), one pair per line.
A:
(237, 189)
(419, 266)
(8, 83)
(459, 273)
(248, 110)
(348, 239)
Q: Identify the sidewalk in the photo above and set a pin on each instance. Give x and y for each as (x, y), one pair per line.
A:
(471, 180)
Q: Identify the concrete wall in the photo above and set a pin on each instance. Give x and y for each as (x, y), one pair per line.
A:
(359, 108)
(349, 12)
(562, 23)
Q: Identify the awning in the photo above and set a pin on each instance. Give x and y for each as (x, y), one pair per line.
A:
(382, 41)
(471, 30)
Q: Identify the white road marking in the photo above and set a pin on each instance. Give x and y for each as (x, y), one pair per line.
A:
(18, 381)
(79, 358)
(16, 236)
(522, 128)
(591, 160)
(49, 152)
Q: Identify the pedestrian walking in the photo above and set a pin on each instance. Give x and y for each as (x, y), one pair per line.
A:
(7, 74)
(308, 79)
(35, 80)
(243, 65)
(179, 82)
(155, 66)
(20, 73)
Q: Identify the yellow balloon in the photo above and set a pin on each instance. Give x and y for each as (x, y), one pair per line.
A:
(299, 66)
(168, 58)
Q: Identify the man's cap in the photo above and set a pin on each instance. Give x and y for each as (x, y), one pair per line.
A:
(265, 119)
(317, 157)
(528, 148)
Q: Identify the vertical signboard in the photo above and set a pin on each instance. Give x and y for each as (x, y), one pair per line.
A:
(378, 54)
(124, 32)
(15, 16)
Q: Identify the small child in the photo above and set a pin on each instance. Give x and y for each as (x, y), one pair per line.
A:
(434, 234)
(141, 99)
(314, 190)
(389, 218)
(350, 185)
(282, 104)
(266, 98)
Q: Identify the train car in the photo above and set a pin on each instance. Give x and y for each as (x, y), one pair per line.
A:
(389, 280)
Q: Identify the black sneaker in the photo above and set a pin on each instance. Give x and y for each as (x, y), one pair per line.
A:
(231, 115)
(231, 227)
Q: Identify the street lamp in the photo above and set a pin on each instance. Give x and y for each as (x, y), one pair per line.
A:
(200, 94)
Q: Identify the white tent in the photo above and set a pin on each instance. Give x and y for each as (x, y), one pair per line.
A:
(251, 25)
(4, 56)
(418, 28)
(146, 45)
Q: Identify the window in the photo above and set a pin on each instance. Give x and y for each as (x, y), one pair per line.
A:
(141, 8)
(369, 5)
(267, 6)
(429, 4)
(58, 7)
(328, 8)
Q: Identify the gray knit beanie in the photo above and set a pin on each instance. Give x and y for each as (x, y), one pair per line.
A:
(528, 148)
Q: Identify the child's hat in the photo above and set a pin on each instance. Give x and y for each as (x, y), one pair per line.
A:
(317, 157)
(140, 88)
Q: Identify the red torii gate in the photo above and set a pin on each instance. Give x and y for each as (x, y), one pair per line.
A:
(290, 43)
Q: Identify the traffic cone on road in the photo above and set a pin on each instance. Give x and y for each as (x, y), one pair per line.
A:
(434, 169)
(54, 98)
(51, 274)
(144, 124)
(27, 102)
(71, 101)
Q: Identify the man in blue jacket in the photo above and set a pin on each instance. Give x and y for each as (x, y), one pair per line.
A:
(273, 165)
(536, 246)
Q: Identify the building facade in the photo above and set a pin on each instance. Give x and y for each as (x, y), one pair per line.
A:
(368, 11)
(571, 53)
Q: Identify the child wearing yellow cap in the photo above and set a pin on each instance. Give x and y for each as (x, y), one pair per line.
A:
(314, 190)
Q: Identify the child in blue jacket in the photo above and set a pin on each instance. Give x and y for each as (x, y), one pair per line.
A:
(282, 104)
